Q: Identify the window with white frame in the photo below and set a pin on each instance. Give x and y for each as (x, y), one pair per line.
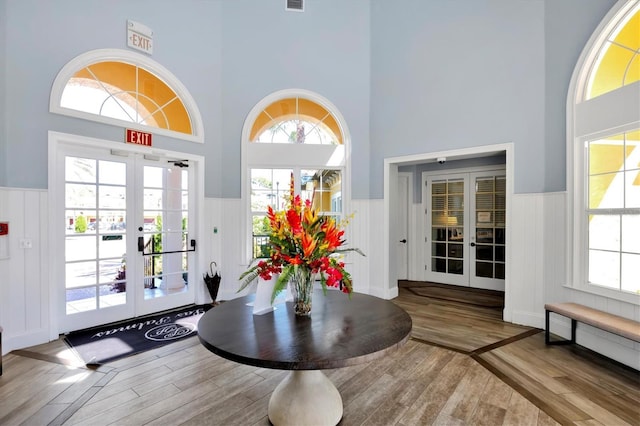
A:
(124, 88)
(292, 137)
(604, 157)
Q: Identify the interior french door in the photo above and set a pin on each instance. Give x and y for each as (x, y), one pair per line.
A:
(126, 228)
(465, 222)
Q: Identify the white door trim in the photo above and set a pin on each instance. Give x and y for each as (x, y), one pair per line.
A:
(391, 164)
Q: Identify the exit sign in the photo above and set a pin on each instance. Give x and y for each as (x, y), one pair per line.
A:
(138, 138)
(139, 37)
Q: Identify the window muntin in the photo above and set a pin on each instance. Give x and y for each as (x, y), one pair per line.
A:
(618, 60)
(613, 211)
(324, 188)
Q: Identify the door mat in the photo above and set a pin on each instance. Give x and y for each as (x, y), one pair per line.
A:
(110, 342)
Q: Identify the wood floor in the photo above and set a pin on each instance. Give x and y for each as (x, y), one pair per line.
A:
(463, 366)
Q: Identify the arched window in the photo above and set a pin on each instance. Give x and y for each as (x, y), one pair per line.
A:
(126, 89)
(296, 120)
(604, 158)
(299, 133)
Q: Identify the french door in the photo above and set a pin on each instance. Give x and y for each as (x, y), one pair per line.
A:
(125, 236)
(465, 222)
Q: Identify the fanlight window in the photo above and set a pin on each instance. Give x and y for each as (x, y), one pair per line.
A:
(618, 61)
(126, 89)
(126, 92)
(296, 120)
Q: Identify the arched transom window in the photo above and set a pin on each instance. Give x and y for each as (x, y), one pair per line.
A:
(124, 88)
(604, 155)
(296, 120)
(617, 62)
(292, 133)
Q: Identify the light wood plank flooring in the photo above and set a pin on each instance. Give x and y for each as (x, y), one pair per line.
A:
(463, 366)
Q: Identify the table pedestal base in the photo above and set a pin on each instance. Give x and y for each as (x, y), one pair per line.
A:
(305, 397)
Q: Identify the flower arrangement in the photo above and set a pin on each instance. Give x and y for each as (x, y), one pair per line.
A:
(302, 242)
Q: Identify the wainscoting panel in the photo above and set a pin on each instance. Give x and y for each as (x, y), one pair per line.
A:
(525, 260)
(229, 243)
(554, 245)
(363, 234)
(24, 286)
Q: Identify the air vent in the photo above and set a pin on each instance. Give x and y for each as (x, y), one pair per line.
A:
(294, 5)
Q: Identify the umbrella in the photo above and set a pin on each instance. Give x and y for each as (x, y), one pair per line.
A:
(212, 281)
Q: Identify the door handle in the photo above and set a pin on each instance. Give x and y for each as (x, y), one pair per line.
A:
(140, 243)
(472, 244)
(404, 240)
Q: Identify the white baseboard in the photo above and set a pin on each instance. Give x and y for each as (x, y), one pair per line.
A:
(21, 341)
(530, 319)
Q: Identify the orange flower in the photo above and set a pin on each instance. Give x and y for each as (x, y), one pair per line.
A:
(308, 245)
(332, 235)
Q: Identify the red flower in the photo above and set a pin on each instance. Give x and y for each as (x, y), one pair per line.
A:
(294, 222)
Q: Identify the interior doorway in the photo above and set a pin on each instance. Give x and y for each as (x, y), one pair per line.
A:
(392, 170)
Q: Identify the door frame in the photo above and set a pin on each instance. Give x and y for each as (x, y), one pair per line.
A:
(55, 142)
(389, 285)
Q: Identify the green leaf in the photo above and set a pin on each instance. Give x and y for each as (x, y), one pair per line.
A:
(282, 281)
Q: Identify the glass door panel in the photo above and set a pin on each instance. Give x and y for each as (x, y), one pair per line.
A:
(95, 197)
(164, 236)
(488, 249)
(447, 249)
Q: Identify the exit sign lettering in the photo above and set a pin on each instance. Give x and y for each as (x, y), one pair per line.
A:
(138, 138)
(139, 37)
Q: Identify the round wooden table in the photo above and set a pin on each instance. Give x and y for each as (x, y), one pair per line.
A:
(340, 332)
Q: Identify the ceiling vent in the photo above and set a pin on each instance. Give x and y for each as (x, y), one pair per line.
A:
(294, 5)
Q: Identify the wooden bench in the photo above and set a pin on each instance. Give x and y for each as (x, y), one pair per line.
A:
(612, 323)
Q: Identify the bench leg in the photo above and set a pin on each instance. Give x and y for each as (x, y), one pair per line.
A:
(547, 337)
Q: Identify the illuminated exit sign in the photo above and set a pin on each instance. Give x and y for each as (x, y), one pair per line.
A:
(139, 37)
(138, 138)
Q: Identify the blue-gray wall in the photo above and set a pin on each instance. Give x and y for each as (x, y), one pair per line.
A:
(3, 95)
(409, 77)
(42, 36)
(568, 26)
